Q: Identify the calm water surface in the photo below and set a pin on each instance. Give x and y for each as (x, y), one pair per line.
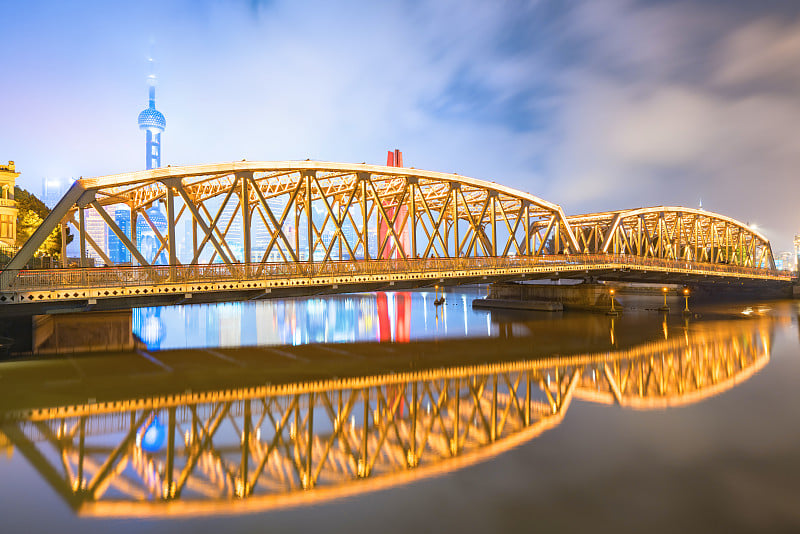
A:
(382, 413)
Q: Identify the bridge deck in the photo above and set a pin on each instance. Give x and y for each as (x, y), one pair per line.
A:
(285, 279)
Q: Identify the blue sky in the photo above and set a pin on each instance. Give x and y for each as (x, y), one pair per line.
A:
(593, 104)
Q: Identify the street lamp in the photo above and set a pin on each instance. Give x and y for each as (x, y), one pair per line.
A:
(613, 310)
(664, 308)
(686, 299)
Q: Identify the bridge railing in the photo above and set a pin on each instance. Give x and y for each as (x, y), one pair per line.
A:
(131, 276)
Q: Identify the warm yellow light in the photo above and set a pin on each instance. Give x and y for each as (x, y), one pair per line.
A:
(611, 291)
(686, 291)
(664, 289)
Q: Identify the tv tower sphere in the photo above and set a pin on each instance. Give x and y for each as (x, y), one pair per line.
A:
(152, 119)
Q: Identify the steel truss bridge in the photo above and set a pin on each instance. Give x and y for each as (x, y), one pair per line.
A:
(258, 229)
(257, 448)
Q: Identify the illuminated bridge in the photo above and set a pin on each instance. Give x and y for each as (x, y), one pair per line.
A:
(262, 229)
(244, 449)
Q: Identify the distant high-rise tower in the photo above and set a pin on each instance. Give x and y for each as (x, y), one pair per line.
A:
(401, 226)
(153, 122)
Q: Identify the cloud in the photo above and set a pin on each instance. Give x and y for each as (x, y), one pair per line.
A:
(702, 114)
(594, 105)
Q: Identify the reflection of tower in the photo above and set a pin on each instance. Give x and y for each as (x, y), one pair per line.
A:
(148, 326)
(394, 159)
(394, 316)
(153, 122)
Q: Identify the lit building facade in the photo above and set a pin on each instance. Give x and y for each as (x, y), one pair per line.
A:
(785, 261)
(117, 251)
(97, 230)
(149, 243)
(8, 207)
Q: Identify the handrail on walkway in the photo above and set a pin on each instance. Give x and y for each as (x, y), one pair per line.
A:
(127, 276)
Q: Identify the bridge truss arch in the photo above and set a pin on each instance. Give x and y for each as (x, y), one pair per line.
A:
(307, 211)
(673, 233)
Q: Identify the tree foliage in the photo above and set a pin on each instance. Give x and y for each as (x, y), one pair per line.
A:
(31, 213)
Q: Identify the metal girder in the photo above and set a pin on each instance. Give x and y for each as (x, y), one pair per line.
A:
(400, 209)
(675, 233)
(323, 214)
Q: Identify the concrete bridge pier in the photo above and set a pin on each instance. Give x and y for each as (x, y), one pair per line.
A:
(589, 296)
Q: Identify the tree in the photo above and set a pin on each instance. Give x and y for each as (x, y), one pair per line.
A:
(31, 213)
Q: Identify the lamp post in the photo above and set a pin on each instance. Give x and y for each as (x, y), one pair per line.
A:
(686, 299)
(664, 308)
(613, 310)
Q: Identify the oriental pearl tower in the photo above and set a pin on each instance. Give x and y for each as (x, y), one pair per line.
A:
(153, 122)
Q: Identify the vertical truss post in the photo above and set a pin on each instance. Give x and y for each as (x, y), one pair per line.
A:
(493, 423)
(307, 176)
(244, 179)
(413, 185)
(134, 240)
(308, 483)
(64, 244)
(194, 237)
(81, 450)
(82, 232)
(528, 398)
(243, 467)
(456, 417)
(297, 227)
(494, 222)
(339, 222)
(170, 467)
(414, 408)
(173, 257)
(363, 177)
(365, 435)
(528, 229)
(454, 187)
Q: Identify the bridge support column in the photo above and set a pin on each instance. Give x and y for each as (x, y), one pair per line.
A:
(64, 259)
(82, 232)
(454, 188)
(134, 239)
(494, 222)
(307, 176)
(244, 178)
(173, 256)
(363, 177)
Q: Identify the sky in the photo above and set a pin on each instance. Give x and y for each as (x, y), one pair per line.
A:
(592, 104)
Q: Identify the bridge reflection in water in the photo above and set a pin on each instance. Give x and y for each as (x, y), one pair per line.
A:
(272, 446)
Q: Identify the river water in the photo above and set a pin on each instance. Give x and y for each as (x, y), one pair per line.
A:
(381, 412)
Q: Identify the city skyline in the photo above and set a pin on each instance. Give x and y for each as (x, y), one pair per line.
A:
(634, 103)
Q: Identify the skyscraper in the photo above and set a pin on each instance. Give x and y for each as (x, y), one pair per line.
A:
(53, 189)
(117, 252)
